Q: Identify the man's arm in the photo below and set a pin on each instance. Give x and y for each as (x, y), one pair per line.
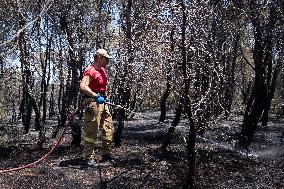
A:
(84, 86)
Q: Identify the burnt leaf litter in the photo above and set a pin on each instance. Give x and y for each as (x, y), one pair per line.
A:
(140, 163)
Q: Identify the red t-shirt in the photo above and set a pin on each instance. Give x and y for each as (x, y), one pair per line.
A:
(99, 79)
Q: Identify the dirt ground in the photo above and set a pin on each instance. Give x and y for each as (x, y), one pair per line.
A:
(139, 162)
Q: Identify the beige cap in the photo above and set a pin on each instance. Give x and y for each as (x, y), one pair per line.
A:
(102, 52)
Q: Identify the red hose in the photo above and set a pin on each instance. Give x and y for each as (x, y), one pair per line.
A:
(51, 150)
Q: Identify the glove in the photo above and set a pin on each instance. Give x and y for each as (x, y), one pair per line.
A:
(100, 99)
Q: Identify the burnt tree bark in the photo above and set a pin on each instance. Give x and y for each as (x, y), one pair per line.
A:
(124, 91)
(167, 92)
(72, 88)
(230, 83)
(171, 130)
(184, 105)
(262, 57)
(45, 66)
(191, 138)
(270, 94)
(28, 102)
(51, 102)
(69, 94)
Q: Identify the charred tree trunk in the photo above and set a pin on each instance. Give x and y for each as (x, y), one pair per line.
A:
(230, 87)
(25, 107)
(246, 90)
(163, 105)
(270, 95)
(70, 94)
(60, 100)
(38, 123)
(28, 102)
(72, 86)
(25, 111)
(51, 102)
(171, 130)
(124, 91)
(184, 105)
(189, 182)
(134, 105)
(167, 92)
(118, 132)
(76, 133)
(45, 65)
(262, 56)
(98, 37)
(123, 99)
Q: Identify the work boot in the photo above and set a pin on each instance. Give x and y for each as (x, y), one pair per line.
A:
(91, 161)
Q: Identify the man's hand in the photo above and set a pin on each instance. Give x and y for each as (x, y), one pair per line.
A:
(99, 99)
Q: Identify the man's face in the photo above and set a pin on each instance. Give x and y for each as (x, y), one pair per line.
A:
(104, 60)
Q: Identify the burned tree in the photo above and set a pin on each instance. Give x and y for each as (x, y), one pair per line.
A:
(123, 90)
(265, 67)
(168, 80)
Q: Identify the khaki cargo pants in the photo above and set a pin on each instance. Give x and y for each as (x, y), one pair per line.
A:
(97, 117)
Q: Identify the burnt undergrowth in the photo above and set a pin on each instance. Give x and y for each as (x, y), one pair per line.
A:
(141, 163)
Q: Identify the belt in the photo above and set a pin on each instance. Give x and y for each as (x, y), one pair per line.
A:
(103, 94)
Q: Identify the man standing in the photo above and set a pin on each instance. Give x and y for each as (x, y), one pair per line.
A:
(97, 115)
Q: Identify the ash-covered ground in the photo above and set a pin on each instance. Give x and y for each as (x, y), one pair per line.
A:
(140, 163)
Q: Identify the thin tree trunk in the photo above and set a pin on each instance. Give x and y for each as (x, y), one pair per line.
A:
(171, 130)
(270, 95)
(262, 56)
(189, 182)
(28, 101)
(51, 102)
(167, 92)
(230, 89)
(124, 89)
